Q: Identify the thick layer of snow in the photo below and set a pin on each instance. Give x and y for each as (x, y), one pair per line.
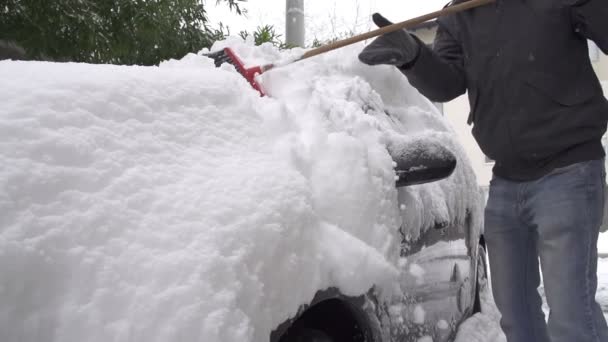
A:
(173, 203)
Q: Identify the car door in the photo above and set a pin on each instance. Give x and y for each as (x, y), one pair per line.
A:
(437, 277)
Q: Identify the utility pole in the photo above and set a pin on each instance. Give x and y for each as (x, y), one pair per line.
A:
(294, 22)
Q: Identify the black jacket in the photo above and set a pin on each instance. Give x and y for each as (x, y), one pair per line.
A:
(536, 103)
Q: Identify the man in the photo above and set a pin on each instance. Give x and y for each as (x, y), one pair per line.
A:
(538, 110)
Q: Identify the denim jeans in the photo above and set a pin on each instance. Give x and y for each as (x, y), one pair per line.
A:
(556, 220)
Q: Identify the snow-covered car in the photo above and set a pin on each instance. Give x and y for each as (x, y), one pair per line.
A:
(173, 203)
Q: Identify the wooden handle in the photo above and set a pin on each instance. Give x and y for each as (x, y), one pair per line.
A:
(394, 27)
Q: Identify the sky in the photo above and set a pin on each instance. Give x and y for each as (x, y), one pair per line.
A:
(324, 18)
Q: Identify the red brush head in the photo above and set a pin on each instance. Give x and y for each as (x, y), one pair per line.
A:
(249, 74)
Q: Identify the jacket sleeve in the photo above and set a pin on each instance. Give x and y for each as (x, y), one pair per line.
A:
(438, 72)
(590, 18)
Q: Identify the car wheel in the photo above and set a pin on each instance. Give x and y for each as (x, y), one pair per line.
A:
(482, 277)
(312, 335)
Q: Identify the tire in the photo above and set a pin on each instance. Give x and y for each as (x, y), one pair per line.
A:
(312, 335)
(481, 282)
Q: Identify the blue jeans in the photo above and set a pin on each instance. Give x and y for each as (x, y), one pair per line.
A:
(555, 219)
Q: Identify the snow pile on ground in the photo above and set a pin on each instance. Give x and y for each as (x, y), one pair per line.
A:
(173, 203)
(602, 285)
(483, 326)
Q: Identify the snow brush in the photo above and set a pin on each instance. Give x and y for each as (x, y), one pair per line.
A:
(227, 55)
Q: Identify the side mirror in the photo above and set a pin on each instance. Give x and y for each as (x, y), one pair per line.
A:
(421, 161)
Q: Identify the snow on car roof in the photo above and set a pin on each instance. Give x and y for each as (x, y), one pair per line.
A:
(173, 203)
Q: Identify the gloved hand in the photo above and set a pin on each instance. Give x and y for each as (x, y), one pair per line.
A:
(396, 48)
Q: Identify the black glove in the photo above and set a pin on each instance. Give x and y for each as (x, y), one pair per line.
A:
(396, 48)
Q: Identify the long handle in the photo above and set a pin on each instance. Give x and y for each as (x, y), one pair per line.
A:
(394, 27)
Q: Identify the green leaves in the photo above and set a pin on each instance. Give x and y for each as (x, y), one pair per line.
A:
(266, 34)
(110, 31)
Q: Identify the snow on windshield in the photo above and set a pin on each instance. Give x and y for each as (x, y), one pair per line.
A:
(173, 203)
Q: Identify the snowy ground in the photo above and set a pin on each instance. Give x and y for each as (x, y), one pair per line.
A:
(484, 326)
(602, 273)
(602, 288)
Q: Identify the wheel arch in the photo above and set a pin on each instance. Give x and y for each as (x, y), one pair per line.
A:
(342, 317)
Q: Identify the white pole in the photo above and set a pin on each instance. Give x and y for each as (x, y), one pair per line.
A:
(294, 22)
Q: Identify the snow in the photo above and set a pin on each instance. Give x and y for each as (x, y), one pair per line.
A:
(483, 326)
(443, 324)
(419, 315)
(418, 272)
(602, 286)
(173, 203)
(602, 243)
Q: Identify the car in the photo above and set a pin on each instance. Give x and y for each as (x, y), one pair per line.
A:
(173, 203)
